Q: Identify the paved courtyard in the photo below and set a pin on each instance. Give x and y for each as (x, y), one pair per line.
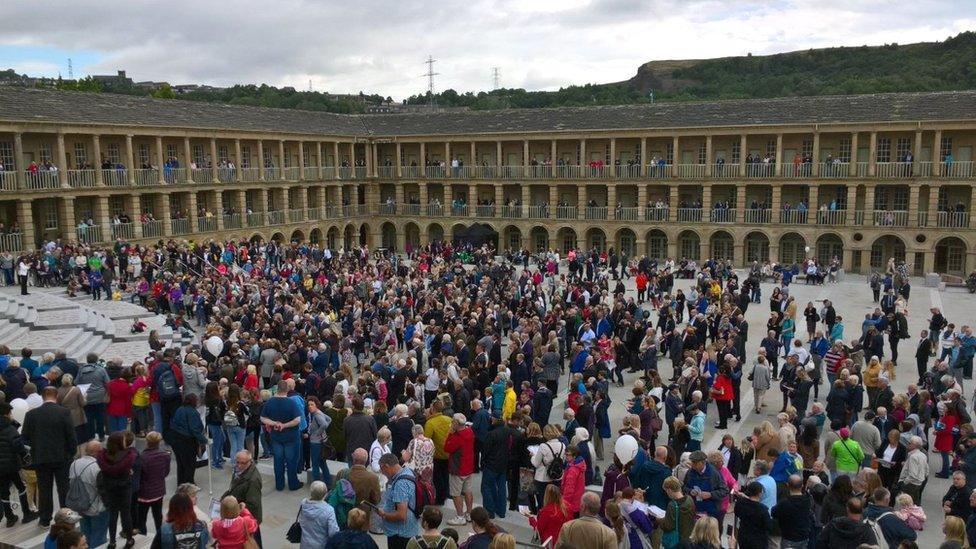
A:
(851, 298)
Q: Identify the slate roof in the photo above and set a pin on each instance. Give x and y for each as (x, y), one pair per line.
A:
(36, 105)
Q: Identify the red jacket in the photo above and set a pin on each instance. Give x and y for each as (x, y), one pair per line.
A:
(943, 437)
(574, 484)
(460, 445)
(722, 385)
(119, 398)
(550, 521)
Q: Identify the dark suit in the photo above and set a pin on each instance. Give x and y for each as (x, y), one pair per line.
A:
(922, 353)
(51, 435)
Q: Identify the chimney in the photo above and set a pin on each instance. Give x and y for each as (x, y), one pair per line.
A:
(121, 74)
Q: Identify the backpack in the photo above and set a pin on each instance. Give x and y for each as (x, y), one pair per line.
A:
(875, 525)
(556, 466)
(423, 495)
(422, 542)
(79, 499)
(166, 385)
(230, 418)
(342, 498)
(190, 539)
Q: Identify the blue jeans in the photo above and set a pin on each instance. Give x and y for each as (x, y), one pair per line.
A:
(157, 413)
(117, 423)
(95, 529)
(216, 445)
(95, 414)
(494, 492)
(286, 457)
(320, 469)
(236, 436)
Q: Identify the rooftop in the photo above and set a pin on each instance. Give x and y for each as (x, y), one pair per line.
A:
(62, 107)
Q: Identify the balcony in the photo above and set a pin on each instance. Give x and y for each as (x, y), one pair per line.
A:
(890, 218)
(539, 172)
(147, 177)
(656, 214)
(387, 208)
(758, 215)
(315, 214)
(411, 209)
(123, 231)
(624, 171)
(412, 172)
(233, 221)
(328, 172)
(691, 171)
(296, 216)
(761, 170)
(893, 170)
(793, 217)
(957, 220)
(175, 176)
(538, 212)
(81, 179)
(293, 173)
(723, 215)
(689, 215)
(227, 175)
(832, 217)
(152, 229)
(512, 212)
(255, 219)
(202, 175)
(725, 171)
(923, 218)
(797, 170)
(8, 181)
(88, 234)
(566, 212)
(41, 180)
(331, 212)
(180, 226)
(833, 170)
(272, 173)
(659, 171)
(276, 217)
(859, 218)
(206, 224)
(459, 210)
(360, 172)
(115, 178)
(485, 210)
(11, 242)
(386, 172)
(434, 210)
(595, 212)
(957, 170)
(345, 172)
(625, 213)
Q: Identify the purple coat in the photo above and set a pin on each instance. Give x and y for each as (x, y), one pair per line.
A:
(154, 467)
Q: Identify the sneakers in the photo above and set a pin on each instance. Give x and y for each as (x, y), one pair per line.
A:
(457, 521)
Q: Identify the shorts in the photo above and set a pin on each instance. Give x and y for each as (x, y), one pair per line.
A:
(460, 485)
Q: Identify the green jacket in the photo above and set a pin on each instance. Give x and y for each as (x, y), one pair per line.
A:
(847, 455)
(246, 487)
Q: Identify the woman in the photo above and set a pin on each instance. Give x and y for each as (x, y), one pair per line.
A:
(354, 536)
(891, 457)
(801, 389)
(317, 518)
(115, 463)
(182, 523)
(808, 444)
(723, 394)
(948, 421)
(318, 424)
(835, 502)
(776, 301)
(787, 330)
(551, 516)
(547, 451)
(812, 318)
(235, 526)
(235, 419)
(251, 382)
(574, 479)
(637, 524)
(955, 530)
(533, 438)
(716, 460)
(380, 412)
(380, 447)
(502, 541)
(188, 441)
(419, 456)
(73, 399)
(216, 408)
(153, 466)
(704, 535)
(337, 413)
(764, 439)
(731, 456)
(484, 530)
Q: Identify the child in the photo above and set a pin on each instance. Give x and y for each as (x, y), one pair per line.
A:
(906, 510)
(235, 525)
(140, 400)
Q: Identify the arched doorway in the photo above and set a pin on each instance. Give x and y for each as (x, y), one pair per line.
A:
(457, 231)
(349, 238)
(278, 237)
(256, 239)
(885, 248)
(332, 238)
(412, 236)
(950, 256)
(792, 249)
(435, 233)
(596, 239)
(363, 234)
(757, 248)
(626, 242)
(723, 246)
(540, 239)
(388, 236)
(689, 245)
(829, 246)
(566, 239)
(297, 236)
(657, 244)
(512, 238)
(315, 236)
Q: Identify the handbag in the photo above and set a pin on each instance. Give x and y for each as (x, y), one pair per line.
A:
(294, 534)
(671, 539)
(250, 543)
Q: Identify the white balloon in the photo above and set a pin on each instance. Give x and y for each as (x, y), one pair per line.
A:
(625, 449)
(20, 408)
(807, 249)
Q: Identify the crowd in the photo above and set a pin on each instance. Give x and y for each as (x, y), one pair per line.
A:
(418, 375)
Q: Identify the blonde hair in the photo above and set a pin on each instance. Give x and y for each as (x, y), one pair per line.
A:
(903, 500)
(153, 439)
(706, 532)
(67, 380)
(955, 530)
(229, 508)
(550, 432)
(502, 541)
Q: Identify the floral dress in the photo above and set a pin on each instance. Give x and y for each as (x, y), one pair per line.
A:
(422, 459)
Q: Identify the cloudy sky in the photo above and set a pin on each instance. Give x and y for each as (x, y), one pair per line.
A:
(380, 46)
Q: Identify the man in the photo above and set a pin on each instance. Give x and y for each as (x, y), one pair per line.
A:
(704, 483)
(431, 537)
(884, 423)
(282, 416)
(922, 353)
(494, 467)
(94, 375)
(94, 520)
(793, 515)
(23, 269)
(245, 486)
(760, 470)
(399, 500)
(755, 525)
(649, 476)
(846, 453)
(191, 491)
(480, 424)
(916, 469)
(364, 482)
(460, 445)
(12, 452)
(893, 528)
(51, 436)
(867, 436)
(359, 428)
(847, 532)
(587, 531)
(437, 427)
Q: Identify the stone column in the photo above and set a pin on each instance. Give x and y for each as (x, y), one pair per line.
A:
(866, 260)
(581, 202)
(743, 153)
(708, 156)
(165, 214)
(20, 166)
(301, 161)
(526, 198)
(641, 199)
(447, 159)
(611, 200)
(26, 219)
(676, 156)
(160, 160)
(914, 190)
(933, 220)
(816, 154)
(219, 209)
(498, 155)
(778, 169)
(135, 210)
(372, 160)
(335, 159)
(238, 161)
(740, 203)
(352, 157)
(187, 159)
(673, 198)
(552, 154)
(261, 159)
(473, 200)
(776, 203)
(399, 164)
(66, 213)
(873, 155)
(582, 156)
(130, 163)
(242, 206)
(525, 154)
(97, 153)
(62, 159)
(641, 169)
(813, 204)
(499, 199)
(553, 200)
(851, 205)
(215, 173)
(706, 203)
(937, 154)
(282, 159)
(424, 199)
(848, 257)
(916, 154)
(423, 159)
(448, 193)
(853, 163)
(285, 202)
(612, 167)
(191, 211)
(869, 205)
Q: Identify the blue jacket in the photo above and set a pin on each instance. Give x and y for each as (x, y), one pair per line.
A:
(481, 424)
(709, 480)
(894, 529)
(186, 422)
(783, 467)
(318, 522)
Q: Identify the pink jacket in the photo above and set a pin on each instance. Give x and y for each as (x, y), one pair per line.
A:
(731, 483)
(574, 483)
(232, 533)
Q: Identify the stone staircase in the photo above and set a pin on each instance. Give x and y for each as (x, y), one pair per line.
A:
(48, 321)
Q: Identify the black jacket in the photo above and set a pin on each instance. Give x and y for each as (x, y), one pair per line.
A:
(497, 448)
(11, 447)
(845, 533)
(793, 513)
(755, 524)
(51, 434)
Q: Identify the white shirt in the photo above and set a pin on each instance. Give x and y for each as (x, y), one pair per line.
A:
(801, 353)
(23, 269)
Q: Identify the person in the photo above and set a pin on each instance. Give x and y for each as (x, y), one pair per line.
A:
(364, 482)
(399, 501)
(893, 528)
(318, 436)
(551, 516)
(50, 433)
(245, 487)
(955, 532)
(548, 451)
(282, 416)
(115, 487)
(182, 528)
(436, 428)
(793, 514)
(152, 468)
(502, 540)
(705, 484)
(12, 453)
(847, 453)
(94, 375)
(355, 535)
(379, 448)
(72, 540)
(915, 472)
(84, 473)
(460, 446)
(316, 517)
(73, 399)
(187, 438)
(65, 521)
(495, 463)
(483, 530)
(680, 514)
(754, 523)
(587, 531)
(573, 483)
(847, 531)
(705, 534)
(359, 429)
(430, 537)
(956, 500)
(235, 526)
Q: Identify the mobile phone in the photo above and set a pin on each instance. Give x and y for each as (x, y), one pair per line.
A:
(728, 530)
